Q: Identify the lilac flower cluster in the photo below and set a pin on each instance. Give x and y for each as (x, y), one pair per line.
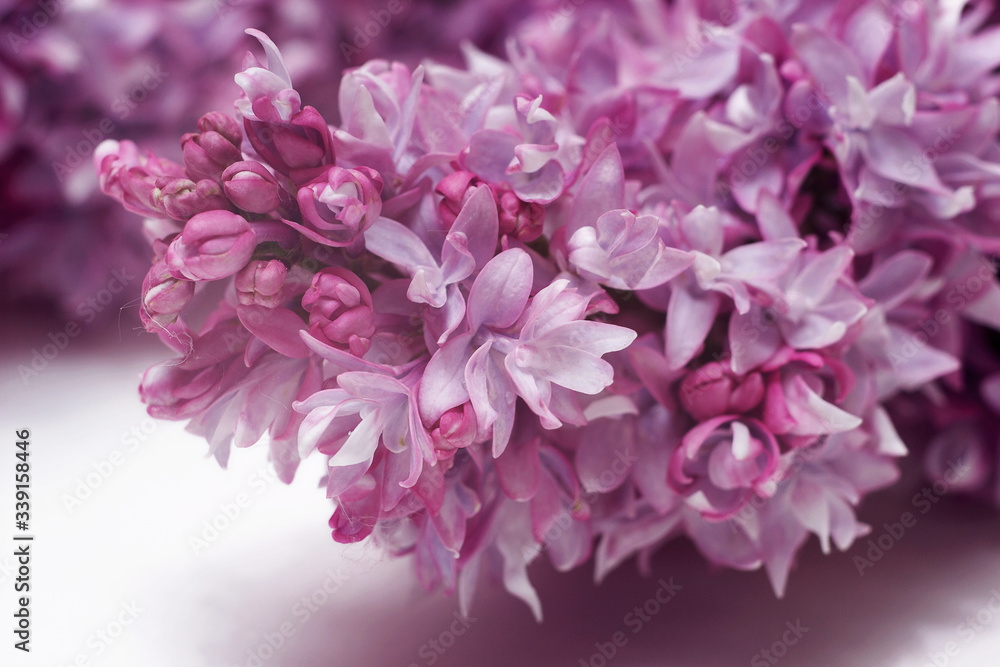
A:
(75, 73)
(664, 272)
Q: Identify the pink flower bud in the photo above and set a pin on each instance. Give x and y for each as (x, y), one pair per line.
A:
(455, 429)
(134, 179)
(251, 187)
(340, 310)
(163, 297)
(341, 204)
(172, 392)
(209, 152)
(213, 245)
(259, 283)
(455, 188)
(182, 199)
(296, 148)
(223, 125)
(519, 219)
(714, 390)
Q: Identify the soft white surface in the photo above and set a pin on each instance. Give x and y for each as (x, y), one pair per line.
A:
(129, 543)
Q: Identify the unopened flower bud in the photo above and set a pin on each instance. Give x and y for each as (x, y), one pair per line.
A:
(207, 153)
(163, 297)
(260, 282)
(297, 148)
(340, 310)
(455, 429)
(213, 245)
(714, 390)
(519, 219)
(341, 204)
(251, 187)
(455, 189)
(182, 199)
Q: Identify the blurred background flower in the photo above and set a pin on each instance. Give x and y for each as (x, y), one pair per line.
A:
(76, 72)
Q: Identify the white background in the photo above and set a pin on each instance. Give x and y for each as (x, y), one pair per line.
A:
(129, 545)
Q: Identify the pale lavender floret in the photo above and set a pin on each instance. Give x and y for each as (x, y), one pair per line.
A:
(558, 347)
(813, 309)
(872, 134)
(721, 463)
(240, 414)
(900, 358)
(543, 351)
(467, 247)
(536, 163)
(599, 226)
(739, 274)
(378, 106)
(350, 421)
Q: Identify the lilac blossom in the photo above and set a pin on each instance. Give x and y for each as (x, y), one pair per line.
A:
(691, 270)
(340, 205)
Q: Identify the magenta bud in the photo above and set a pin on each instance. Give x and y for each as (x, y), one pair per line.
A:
(213, 245)
(259, 283)
(714, 390)
(340, 310)
(519, 219)
(455, 429)
(251, 187)
(341, 204)
(220, 123)
(209, 152)
(455, 189)
(133, 178)
(296, 148)
(182, 199)
(163, 297)
(172, 391)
